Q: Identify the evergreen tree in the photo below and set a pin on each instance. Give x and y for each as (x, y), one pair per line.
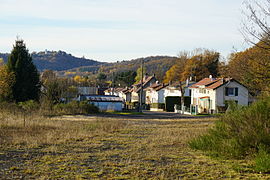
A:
(27, 85)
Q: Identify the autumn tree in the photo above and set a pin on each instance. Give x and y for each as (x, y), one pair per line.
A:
(198, 64)
(26, 82)
(56, 89)
(139, 74)
(252, 68)
(176, 71)
(201, 65)
(52, 89)
(6, 83)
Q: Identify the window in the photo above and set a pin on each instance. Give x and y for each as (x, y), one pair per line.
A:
(231, 91)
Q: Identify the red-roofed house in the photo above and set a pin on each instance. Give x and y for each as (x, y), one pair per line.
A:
(210, 95)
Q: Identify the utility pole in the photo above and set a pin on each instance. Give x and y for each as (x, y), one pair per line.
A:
(141, 90)
(113, 84)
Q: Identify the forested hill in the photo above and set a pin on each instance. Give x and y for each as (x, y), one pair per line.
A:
(157, 65)
(63, 62)
(57, 60)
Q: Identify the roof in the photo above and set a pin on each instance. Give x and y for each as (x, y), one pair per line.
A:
(157, 86)
(114, 90)
(137, 87)
(205, 97)
(161, 86)
(212, 83)
(146, 79)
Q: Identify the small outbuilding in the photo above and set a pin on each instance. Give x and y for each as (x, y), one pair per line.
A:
(104, 102)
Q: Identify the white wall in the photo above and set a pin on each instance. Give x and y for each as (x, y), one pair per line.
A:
(108, 106)
(171, 91)
(197, 94)
(161, 96)
(242, 97)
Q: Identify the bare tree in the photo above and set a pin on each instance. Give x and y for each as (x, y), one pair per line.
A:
(255, 26)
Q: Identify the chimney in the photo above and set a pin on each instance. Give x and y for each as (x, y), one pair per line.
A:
(187, 82)
(211, 77)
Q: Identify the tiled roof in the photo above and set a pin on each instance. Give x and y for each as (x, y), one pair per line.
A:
(161, 86)
(211, 83)
(114, 90)
(137, 87)
(145, 80)
(205, 97)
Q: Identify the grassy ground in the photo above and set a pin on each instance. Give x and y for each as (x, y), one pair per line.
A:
(85, 147)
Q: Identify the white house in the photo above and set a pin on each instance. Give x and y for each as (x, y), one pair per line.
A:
(155, 93)
(114, 91)
(211, 95)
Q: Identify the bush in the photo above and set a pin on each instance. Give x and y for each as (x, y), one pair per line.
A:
(75, 107)
(262, 160)
(29, 106)
(239, 132)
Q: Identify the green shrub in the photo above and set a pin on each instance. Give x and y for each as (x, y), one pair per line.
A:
(239, 132)
(75, 107)
(262, 160)
(29, 106)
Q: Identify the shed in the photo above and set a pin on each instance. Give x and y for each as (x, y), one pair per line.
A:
(104, 102)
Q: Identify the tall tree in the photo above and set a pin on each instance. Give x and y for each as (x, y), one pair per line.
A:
(176, 71)
(252, 68)
(202, 65)
(27, 84)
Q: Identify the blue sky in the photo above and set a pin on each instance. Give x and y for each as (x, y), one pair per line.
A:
(115, 30)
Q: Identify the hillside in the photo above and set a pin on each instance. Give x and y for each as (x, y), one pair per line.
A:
(63, 63)
(157, 65)
(57, 60)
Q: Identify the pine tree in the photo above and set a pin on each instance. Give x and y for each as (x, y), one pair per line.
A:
(27, 84)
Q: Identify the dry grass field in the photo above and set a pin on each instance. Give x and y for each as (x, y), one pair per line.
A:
(96, 147)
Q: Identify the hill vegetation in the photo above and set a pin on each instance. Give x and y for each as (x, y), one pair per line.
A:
(157, 65)
(56, 60)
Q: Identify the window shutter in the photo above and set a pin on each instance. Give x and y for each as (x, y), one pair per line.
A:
(236, 91)
(226, 91)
